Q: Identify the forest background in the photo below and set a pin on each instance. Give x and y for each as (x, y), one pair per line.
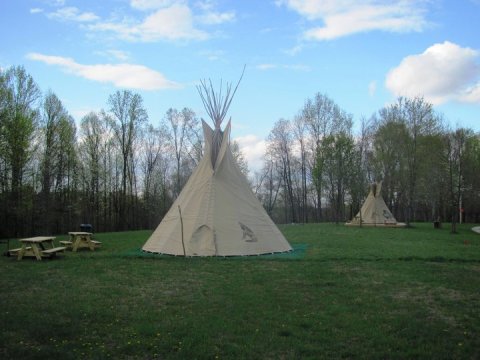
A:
(119, 170)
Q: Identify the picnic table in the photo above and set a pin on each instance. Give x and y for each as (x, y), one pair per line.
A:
(38, 247)
(80, 239)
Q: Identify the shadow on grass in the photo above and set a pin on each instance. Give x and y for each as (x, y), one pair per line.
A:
(297, 253)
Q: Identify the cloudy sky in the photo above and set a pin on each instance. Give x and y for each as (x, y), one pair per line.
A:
(361, 53)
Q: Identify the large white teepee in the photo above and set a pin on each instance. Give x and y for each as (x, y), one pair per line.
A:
(216, 213)
(374, 211)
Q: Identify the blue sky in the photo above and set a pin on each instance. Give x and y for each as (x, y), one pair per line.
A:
(362, 54)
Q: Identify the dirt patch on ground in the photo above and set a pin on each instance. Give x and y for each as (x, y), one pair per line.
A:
(433, 300)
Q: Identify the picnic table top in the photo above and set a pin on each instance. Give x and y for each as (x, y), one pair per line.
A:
(79, 233)
(38, 239)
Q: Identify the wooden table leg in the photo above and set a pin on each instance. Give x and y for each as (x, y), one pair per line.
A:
(91, 245)
(75, 242)
(21, 252)
(36, 251)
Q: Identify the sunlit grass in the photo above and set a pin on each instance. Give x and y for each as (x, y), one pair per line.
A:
(354, 293)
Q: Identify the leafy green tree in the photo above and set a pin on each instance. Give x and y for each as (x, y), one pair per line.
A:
(319, 115)
(323, 117)
(18, 123)
(339, 159)
(390, 163)
(471, 194)
(419, 120)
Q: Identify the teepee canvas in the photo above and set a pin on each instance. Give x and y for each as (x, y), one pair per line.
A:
(374, 211)
(216, 213)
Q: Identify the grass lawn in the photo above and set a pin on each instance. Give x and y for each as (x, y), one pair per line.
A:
(353, 293)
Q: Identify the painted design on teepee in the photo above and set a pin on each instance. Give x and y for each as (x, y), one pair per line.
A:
(248, 234)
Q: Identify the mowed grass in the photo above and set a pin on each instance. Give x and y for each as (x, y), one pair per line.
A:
(355, 293)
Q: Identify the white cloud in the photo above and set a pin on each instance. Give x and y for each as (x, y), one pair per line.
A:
(118, 54)
(205, 5)
(216, 18)
(170, 20)
(175, 22)
(153, 4)
(253, 148)
(36, 10)
(121, 75)
(441, 73)
(172, 23)
(471, 94)
(72, 13)
(115, 54)
(346, 17)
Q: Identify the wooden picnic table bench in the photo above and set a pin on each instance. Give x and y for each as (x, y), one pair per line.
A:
(54, 250)
(79, 240)
(38, 247)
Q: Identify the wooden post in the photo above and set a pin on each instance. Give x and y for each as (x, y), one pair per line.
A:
(181, 226)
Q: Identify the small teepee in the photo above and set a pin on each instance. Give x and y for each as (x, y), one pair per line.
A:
(374, 211)
(216, 213)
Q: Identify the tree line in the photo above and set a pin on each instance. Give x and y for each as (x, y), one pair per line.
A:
(118, 171)
(317, 169)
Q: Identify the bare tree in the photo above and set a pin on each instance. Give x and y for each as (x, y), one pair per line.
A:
(455, 156)
(66, 178)
(239, 158)
(182, 127)
(280, 144)
(54, 117)
(363, 174)
(128, 116)
(269, 183)
(300, 133)
(153, 160)
(95, 141)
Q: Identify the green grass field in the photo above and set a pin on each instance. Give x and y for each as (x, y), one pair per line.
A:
(346, 293)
